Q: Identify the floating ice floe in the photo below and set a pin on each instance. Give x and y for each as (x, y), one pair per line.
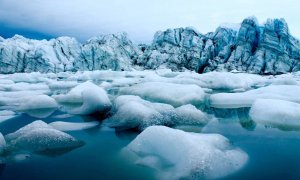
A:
(21, 86)
(41, 137)
(245, 99)
(277, 113)
(6, 81)
(176, 154)
(190, 115)
(231, 81)
(6, 115)
(2, 144)
(13, 99)
(73, 126)
(86, 98)
(132, 111)
(169, 93)
(58, 85)
(40, 106)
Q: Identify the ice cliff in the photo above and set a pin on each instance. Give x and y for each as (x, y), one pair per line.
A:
(253, 48)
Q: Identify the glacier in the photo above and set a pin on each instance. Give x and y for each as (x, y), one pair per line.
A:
(254, 48)
(170, 94)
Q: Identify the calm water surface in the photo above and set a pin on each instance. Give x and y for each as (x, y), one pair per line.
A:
(273, 153)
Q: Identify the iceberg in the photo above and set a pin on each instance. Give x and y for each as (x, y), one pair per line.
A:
(42, 138)
(176, 154)
(73, 126)
(246, 99)
(2, 144)
(6, 115)
(276, 113)
(40, 106)
(190, 115)
(85, 99)
(134, 112)
(169, 93)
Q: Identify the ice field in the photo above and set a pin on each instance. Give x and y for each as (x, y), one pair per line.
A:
(149, 125)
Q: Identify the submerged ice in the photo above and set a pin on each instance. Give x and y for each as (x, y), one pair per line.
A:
(40, 137)
(176, 154)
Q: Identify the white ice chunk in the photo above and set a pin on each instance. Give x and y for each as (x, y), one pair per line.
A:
(132, 111)
(6, 115)
(169, 93)
(6, 81)
(40, 106)
(39, 137)
(278, 113)
(245, 99)
(2, 143)
(190, 115)
(230, 81)
(73, 126)
(86, 98)
(58, 85)
(13, 99)
(24, 87)
(180, 155)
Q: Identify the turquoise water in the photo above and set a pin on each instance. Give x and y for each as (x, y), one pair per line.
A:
(273, 153)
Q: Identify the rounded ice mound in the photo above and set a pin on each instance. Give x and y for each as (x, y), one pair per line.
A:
(41, 137)
(169, 93)
(277, 113)
(72, 126)
(132, 112)
(6, 115)
(180, 155)
(2, 143)
(135, 112)
(85, 99)
(245, 99)
(40, 106)
(190, 115)
(230, 81)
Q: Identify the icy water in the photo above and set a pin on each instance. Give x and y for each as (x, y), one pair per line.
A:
(273, 153)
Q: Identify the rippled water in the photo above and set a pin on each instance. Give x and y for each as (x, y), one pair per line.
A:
(273, 153)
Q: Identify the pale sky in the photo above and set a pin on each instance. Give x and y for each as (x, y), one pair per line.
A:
(139, 18)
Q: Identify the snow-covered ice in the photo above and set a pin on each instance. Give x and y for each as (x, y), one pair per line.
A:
(2, 144)
(190, 115)
(231, 81)
(86, 98)
(39, 137)
(73, 126)
(40, 106)
(6, 115)
(277, 113)
(133, 111)
(245, 99)
(181, 155)
(169, 93)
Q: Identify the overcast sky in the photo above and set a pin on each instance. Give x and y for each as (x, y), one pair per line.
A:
(139, 18)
